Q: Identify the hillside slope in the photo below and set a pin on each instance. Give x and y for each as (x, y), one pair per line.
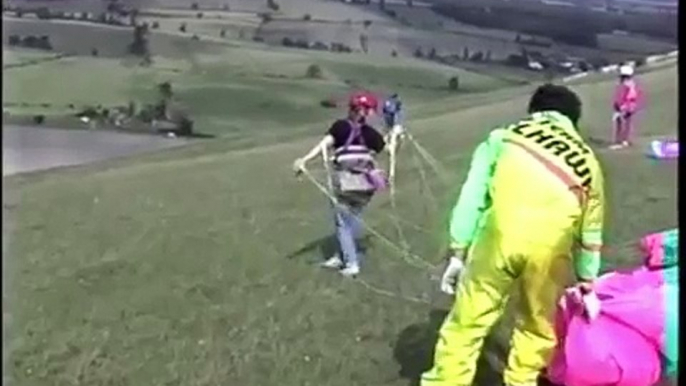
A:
(197, 267)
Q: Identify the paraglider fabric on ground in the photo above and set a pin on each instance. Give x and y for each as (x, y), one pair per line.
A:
(633, 341)
(664, 149)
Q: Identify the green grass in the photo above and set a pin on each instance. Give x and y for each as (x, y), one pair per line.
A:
(196, 266)
(224, 91)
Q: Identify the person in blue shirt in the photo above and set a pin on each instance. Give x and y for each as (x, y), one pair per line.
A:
(394, 131)
(393, 114)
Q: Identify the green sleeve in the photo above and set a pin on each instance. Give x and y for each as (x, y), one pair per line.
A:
(587, 260)
(473, 200)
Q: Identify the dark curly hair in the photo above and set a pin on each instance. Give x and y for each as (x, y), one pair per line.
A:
(551, 97)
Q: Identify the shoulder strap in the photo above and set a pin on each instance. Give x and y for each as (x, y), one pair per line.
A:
(355, 132)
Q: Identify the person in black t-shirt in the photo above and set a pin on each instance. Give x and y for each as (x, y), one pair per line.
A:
(355, 143)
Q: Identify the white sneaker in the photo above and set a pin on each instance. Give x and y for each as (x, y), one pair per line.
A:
(626, 144)
(334, 262)
(615, 146)
(350, 271)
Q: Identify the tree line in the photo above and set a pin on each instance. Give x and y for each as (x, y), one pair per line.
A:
(571, 26)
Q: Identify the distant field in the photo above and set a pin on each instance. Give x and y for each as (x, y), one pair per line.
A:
(80, 38)
(236, 25)
(224, 88)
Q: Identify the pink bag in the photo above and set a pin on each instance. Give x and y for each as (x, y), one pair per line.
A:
(378, 179)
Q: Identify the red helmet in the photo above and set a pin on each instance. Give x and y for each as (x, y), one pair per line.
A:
(363, 100)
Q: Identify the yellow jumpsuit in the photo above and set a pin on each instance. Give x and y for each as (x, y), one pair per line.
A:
(530, 210)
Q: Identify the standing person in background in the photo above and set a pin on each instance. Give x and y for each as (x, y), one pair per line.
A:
(626, 100)
(533, 197)
(355, 177)
(394, 130)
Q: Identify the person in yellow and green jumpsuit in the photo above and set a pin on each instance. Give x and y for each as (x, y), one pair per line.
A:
(530, 213)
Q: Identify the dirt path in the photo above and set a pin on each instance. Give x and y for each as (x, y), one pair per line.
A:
(28, 149)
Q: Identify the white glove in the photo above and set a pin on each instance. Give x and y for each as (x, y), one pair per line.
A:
(299, 165)
(451, 275)
(588, 300)
(591, 305)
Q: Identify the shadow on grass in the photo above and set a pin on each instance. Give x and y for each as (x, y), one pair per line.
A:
(326, 247)
(414, 352)
(599, 142)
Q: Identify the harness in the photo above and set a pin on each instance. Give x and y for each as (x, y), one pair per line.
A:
(355, 171)
(354, 157)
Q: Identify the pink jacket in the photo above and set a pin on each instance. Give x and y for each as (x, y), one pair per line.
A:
(627, 97)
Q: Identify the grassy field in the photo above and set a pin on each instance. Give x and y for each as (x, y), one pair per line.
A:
(197, 266)
(222, 85)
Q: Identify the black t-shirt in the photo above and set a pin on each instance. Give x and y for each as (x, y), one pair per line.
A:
(340, 131)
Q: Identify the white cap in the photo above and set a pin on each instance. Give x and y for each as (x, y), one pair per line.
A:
(626, 70)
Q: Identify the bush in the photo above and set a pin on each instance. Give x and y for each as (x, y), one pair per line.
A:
(273, 5)
(328, 103)
(517, 60)
(584, 67)
(286, 42)
(43, 13)
(199, 15)
(394, 53)
(477, 57)
(147, 113)
(222, 33)
(454, 83)
(14, 40)
(314, 72)
(131, 109)
(185, 126)
(301, 43)
(418, 53)
(94, 52)
(307, 17)
(89, 112)
(194, 6)
(225, 7)
(155, 25)
(139, 46)
(38, 119)
(182, 27)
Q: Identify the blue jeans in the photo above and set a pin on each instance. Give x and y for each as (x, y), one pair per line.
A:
(348, 232)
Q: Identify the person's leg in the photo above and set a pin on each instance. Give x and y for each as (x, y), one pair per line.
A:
(628, 130)
(617, 130)
(481, 295)
(544, 279)
(347, 227)
(336, 261)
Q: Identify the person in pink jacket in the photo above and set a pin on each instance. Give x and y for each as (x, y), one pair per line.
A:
(626, 102)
